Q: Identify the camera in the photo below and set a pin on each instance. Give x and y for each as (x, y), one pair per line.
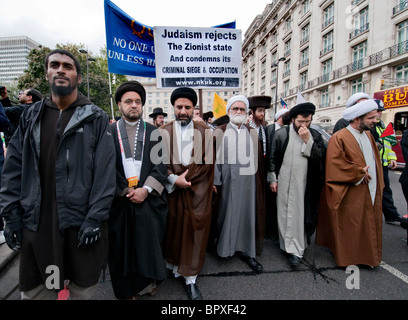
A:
(2, 89)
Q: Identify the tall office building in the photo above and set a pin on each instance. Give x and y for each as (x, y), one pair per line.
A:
(327, 50)
(13, 57)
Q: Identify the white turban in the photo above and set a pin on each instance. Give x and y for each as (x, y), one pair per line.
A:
(356, 97)
(280, 113)
(359, 109)
(236, 99)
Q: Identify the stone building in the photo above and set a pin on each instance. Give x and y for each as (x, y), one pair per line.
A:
(327, 50)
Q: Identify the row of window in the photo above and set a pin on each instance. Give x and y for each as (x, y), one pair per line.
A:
(359, 51)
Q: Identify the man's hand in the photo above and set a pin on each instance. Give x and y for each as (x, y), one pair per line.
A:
(274, 187)
(304, 133)
(137, 195)
(181, 181)
(393, 164)
(13, 233)
(367, 177)
(88, 234)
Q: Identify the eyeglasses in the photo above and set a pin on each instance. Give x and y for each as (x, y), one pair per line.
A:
(236, 109)
(130, 102)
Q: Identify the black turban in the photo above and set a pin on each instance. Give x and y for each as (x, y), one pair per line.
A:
(131, 86)
(187, 93)
(303, 108)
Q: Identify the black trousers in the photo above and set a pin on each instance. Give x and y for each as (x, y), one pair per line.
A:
(389, 209)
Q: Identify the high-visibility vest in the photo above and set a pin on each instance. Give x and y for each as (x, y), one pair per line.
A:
(386, 154)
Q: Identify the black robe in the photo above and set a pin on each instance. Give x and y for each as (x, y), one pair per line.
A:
(136, 231)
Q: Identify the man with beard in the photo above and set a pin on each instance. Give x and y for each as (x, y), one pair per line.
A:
(352, 101)
(296, 175)
(350, 212)
(240, 184)
(188, 146)
(158, 117)
(57, 186)
(258, 106)
(137, 218)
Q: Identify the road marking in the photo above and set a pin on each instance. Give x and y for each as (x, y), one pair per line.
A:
(394, 271)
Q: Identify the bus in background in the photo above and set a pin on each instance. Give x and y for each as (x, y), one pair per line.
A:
(396, 104)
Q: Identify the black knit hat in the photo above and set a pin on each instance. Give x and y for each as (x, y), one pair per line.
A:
(131, 86)
(184, 92)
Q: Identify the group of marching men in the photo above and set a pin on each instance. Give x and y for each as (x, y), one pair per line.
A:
(160, 201)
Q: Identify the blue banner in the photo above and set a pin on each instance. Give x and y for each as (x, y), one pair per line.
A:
(130, 44)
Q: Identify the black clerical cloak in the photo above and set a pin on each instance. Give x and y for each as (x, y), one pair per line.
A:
(136, 230)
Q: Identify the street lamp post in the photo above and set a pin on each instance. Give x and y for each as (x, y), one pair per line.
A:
(87, 67)
(276, 65)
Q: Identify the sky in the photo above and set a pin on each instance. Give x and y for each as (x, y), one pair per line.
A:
(49, 22)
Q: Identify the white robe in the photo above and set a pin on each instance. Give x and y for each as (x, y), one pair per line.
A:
(366, 148)
(291, 195)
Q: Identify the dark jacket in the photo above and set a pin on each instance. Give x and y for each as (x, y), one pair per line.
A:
(341, 124)
(404, 147)
(84, 169)
(14, 113)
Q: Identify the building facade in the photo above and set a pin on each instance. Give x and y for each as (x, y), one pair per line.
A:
(13, 57)
(327, 50)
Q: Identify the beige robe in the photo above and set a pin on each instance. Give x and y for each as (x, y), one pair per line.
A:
(350, 222)
(291, 188)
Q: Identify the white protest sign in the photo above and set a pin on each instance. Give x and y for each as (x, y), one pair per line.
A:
(198, 57)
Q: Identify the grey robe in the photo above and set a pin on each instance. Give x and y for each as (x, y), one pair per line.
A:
(237, 208)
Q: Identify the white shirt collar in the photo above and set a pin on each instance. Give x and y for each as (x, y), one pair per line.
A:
(236, 127)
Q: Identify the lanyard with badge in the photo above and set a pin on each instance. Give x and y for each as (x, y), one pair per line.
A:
(131, 165)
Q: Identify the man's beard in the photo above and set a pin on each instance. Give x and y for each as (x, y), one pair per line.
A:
(364, 126)
(131, 117)
(184, 122)
(258, 120)
(238, 119)
(63, 91)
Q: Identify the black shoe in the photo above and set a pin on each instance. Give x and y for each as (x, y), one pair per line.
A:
(193, 292)
(252, 263)
(294, 260)
(395, 220)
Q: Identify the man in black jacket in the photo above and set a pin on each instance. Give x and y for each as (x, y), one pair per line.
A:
(26, 98)
(58, 183)
(296, 174)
